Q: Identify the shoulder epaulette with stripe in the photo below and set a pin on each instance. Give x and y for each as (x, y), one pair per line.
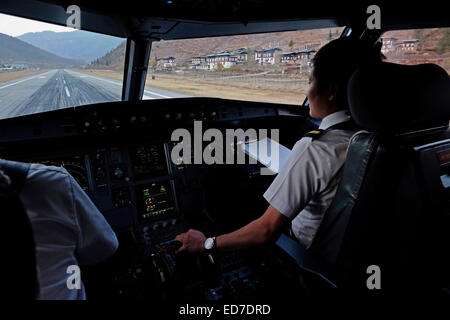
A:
(314, 134)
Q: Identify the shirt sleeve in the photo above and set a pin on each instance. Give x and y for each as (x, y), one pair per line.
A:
(298, 181)
(96, 240)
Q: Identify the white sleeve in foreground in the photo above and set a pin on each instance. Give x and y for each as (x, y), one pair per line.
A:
(97, 241)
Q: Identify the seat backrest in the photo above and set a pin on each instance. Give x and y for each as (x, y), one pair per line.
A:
(392, 205)
(20, 281)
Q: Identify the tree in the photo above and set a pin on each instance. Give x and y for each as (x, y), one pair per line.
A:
(443, 46)
(291, 44)
(330, 35)
(419, 34)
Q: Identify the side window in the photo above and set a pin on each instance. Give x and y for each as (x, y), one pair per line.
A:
(417, 46)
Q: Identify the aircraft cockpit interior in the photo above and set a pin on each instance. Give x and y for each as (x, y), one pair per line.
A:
(159, 112)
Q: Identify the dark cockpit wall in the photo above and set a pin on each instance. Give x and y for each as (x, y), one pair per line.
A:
(202, 19)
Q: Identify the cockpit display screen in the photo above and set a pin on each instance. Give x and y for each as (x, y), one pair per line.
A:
(155, 200)
(148, 161)
(75, 165)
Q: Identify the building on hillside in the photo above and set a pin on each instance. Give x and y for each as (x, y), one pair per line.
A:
(14, 66)
(241, 55)
(223, 58)
(267, 56)
(300, 57)
(199, 62)
(408, 45)
(388, 44)
(5, 68)
(289, 57)
(392, 44)
(306, 54)
(166, 62)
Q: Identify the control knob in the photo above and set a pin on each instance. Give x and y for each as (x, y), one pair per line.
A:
(118, 173)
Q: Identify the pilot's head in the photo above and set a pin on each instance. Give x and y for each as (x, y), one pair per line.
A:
(333, 65)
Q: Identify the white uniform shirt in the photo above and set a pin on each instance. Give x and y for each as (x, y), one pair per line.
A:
(68, 229)
(307, 183)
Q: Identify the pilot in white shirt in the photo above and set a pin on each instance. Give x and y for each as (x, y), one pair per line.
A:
(68, 230)
(307, 183)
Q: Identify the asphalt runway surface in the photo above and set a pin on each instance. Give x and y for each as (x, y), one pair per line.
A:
(58, 89)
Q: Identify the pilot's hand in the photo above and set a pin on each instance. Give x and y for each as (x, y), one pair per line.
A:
(192, 240)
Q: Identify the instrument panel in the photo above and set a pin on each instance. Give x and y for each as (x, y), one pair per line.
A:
(128, 173)
(75, 165)
(155, 200)
(129, 184)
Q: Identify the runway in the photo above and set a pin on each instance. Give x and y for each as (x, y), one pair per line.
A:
(62, 88)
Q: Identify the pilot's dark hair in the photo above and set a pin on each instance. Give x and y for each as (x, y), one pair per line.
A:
(336, 61)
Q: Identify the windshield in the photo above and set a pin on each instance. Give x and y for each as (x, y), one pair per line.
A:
(45, 67)
(265, 67)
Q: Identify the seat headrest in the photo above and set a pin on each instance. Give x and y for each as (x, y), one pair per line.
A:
(396, 98)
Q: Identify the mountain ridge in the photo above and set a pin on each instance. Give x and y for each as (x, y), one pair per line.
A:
(14, 51)
(434, 46)
(184, 50)
(77, 45)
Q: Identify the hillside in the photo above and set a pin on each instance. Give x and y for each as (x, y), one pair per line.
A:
(114, 59)
(15, 51)
(430, 40)
(434, 46)
(184, 50)
(77, 45)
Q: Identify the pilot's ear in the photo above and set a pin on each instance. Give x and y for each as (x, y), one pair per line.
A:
(332, 92)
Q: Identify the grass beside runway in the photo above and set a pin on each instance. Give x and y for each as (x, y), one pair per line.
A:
(6, 76)
(217, 88)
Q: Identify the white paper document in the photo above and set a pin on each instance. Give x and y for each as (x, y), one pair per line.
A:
(268, 152)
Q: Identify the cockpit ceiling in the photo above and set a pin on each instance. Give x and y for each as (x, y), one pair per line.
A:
(176, 19)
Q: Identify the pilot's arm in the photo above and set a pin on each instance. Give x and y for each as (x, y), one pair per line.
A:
(289, 193)
(96, 240)
(257, 232)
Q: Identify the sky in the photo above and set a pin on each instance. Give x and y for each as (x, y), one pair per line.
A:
(14, 26)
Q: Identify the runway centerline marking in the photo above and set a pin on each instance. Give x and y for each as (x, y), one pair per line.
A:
(67, 92)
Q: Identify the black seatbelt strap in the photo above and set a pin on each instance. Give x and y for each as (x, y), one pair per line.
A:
(17, 172)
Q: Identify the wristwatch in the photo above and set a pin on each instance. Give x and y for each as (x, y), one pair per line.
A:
(210, 244)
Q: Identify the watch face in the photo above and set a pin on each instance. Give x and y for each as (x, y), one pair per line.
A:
(209, 243)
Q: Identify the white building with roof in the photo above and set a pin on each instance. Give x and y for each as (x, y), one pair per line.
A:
(267, 56)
